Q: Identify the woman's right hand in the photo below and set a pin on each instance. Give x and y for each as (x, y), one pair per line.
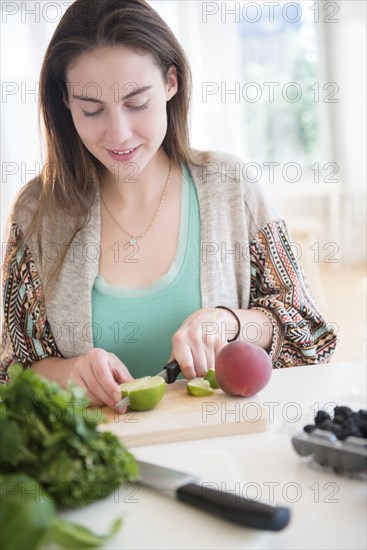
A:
(100, 372)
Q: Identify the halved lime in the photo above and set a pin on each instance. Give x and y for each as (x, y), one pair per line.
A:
(212, 379)
(144, 393)
(199, 387)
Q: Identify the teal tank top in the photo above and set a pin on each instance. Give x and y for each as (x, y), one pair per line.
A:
(137, 324)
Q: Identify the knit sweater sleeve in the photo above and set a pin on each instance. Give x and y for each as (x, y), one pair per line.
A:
(26, 334)
(301, 336)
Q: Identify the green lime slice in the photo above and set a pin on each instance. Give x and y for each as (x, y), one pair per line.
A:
(199, 387)
(212, 379)
(144, 393)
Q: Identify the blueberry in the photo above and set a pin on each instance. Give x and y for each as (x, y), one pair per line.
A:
(343, 435)
(344, 423)
(351, 432)
(321, 416)
(349, 427)
(339, 419)
(342, 411)
(336, 429)
(309, 428)
(363, 427)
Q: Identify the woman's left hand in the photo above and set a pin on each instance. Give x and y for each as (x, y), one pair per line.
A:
(199, 339)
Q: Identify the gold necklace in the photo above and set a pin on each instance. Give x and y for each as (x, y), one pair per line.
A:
(134, 238)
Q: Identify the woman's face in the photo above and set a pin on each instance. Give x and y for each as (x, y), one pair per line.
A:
(117, 99)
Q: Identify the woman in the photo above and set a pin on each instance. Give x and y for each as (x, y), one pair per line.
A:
(123, 248)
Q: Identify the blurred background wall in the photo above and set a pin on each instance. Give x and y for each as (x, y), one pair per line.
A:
(280, 84)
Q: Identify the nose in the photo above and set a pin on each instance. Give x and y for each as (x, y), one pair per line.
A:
(118, 129)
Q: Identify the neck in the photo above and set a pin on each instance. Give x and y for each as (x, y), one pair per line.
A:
(133, 188)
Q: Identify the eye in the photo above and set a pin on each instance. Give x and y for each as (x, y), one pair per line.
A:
(139, 107)
(96, 113)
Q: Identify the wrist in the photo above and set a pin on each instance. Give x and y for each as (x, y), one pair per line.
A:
(256, 327)
(236, 320)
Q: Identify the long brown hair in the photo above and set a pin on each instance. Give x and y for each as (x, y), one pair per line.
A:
(68, 183)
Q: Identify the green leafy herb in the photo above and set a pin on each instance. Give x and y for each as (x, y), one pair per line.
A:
(71, 535)
(51, 435)
(25, 512)
(28, 519)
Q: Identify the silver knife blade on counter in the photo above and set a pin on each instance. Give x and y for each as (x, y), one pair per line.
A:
(169, 373)
(187, 488)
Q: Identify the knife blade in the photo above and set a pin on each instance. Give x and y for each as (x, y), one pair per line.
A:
(169, 373)
(186, 488)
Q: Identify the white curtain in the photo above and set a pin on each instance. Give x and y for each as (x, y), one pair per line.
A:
(345, 48)
(214, 53)
(25, 33)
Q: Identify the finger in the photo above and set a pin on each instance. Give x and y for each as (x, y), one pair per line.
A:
(119, 371)
(170, 358)
(94, 400)
(199, 358)
(120, 410)
(82, 380)
(210, 357)
(101, 382)
(198, 352)
(97, 393)
(182, 354)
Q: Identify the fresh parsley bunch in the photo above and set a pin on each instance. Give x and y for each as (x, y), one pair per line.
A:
(50, 434)
(28, 519)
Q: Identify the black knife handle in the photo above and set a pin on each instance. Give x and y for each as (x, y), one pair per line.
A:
(173, 370)
(235, 508)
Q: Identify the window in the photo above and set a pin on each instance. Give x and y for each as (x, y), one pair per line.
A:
(282, 86)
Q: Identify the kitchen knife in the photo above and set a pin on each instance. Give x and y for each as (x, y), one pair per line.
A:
(237, 509)
(169, 374)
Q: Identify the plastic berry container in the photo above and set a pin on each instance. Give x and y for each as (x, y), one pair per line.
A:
(333, 443)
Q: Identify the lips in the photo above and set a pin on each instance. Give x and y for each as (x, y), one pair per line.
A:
(123, 154)
(122, 151)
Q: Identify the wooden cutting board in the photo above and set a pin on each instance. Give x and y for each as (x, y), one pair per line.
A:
(181, 417)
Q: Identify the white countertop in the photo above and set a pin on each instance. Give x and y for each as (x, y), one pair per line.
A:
(327, 511)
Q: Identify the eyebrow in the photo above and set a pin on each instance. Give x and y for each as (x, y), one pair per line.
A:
(128, 96)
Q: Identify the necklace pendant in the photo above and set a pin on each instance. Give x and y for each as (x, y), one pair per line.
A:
(132, 241)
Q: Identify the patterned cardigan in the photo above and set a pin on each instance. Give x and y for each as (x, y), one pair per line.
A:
(246, 262)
